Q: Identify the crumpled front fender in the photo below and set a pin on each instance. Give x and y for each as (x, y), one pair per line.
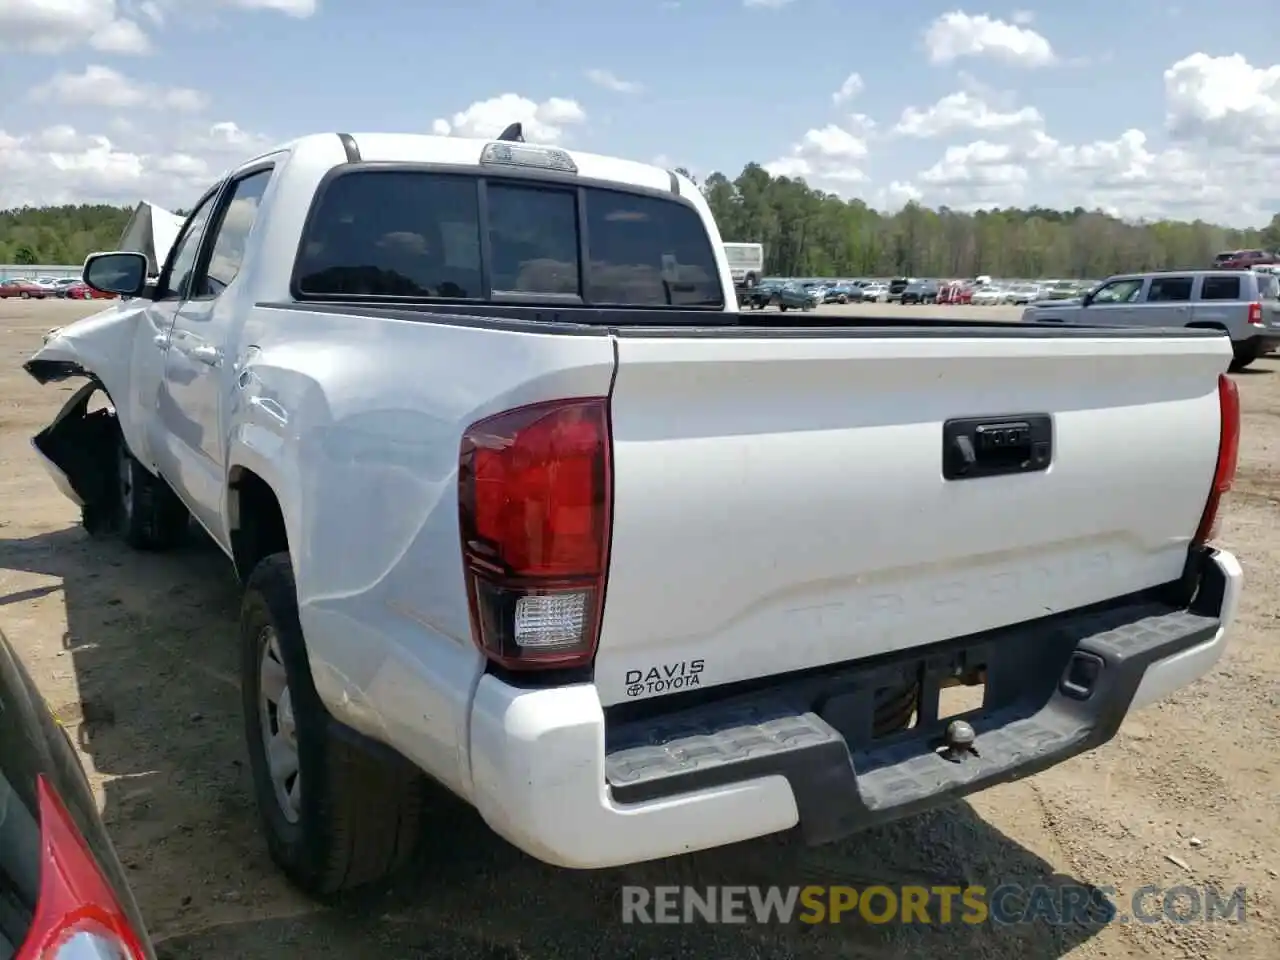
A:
(100, 346)
(104, 347)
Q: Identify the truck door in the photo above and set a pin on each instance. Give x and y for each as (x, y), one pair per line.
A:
(198, 371)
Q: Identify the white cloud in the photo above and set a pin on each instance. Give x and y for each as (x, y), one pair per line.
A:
(851, 87)
(545, 122)
(59, 164)
(964, 111)
(957, 35)
(1217, 159)
(1127, 175)
(99, 86)
(611, 81)
(830, 154)
(896, 196)
(293, 8)
(160, 11)
(1023, 17)
(41, 26)
(110, 26)
(1224, 101)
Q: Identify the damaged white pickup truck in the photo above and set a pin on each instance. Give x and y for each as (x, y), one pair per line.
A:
(523, 506)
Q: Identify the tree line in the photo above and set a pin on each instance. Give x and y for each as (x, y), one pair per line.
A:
(59, 235)
(807, 232)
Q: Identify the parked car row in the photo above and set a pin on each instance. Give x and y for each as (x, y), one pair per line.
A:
(68, 288)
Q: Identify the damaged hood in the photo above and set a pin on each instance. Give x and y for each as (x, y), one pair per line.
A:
(100, 346)
(151, 231)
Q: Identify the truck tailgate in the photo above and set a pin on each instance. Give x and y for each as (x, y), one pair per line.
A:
(780, 501)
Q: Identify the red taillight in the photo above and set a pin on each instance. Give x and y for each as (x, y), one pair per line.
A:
(1255, 314)
(535, 492)
(1228, 456)
(78, 914)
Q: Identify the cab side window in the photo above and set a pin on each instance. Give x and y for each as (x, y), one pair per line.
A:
(186, 250)
(1220, 288)
(1170, 290)
(1119, 291)
(230, 234)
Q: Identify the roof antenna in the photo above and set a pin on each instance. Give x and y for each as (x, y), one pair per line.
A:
(513, 133)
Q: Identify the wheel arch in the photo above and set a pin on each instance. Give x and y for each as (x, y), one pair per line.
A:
(256, 519)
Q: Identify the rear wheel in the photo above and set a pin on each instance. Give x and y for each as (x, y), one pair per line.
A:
(336, 816)
(1243, 355)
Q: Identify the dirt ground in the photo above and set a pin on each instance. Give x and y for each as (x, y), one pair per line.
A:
(135, 653)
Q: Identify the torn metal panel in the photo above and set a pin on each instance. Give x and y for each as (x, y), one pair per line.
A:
(78, 449)
(111, 348)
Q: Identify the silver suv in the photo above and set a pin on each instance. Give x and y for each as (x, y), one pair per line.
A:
(1245, 304)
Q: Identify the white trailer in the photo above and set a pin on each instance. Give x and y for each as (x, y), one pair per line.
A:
(746, 263)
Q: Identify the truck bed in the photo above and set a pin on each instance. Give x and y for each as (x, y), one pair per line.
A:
(780, 501)
(629, 321)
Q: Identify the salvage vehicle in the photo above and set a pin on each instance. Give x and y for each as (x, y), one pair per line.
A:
(63, 891)
(842, 292)
(896, 287)
(526, 508)
(920, 292)
(24, 289)
(759, 296)
(1243, 304)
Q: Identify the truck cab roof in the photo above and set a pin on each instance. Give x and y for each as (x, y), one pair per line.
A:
(467, 152)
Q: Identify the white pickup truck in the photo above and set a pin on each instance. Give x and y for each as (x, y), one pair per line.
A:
(523, 506)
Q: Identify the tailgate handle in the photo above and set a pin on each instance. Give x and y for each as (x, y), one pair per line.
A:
(975, 447)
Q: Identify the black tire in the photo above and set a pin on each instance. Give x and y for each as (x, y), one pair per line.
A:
(148, 514)
(1243, 355)
(783, 307)
(360, 816)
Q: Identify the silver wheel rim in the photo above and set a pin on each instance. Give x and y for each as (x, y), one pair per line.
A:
(279, 727)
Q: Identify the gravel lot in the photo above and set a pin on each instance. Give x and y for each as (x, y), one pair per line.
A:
(135, 654)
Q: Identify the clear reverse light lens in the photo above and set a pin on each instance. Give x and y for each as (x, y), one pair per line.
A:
(551, 620)
(524, 155)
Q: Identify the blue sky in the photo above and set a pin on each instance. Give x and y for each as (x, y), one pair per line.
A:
(1132, 106)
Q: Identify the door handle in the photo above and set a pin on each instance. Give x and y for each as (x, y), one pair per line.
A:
(207, 354)
(980, 447)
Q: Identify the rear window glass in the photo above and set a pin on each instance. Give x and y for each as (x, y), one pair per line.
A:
(1268, 286)
(421, 234)
(1220, 288)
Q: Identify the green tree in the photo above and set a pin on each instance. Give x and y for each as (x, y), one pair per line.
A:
(807, 232)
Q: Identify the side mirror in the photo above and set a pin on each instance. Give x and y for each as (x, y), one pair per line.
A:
(122, 273)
